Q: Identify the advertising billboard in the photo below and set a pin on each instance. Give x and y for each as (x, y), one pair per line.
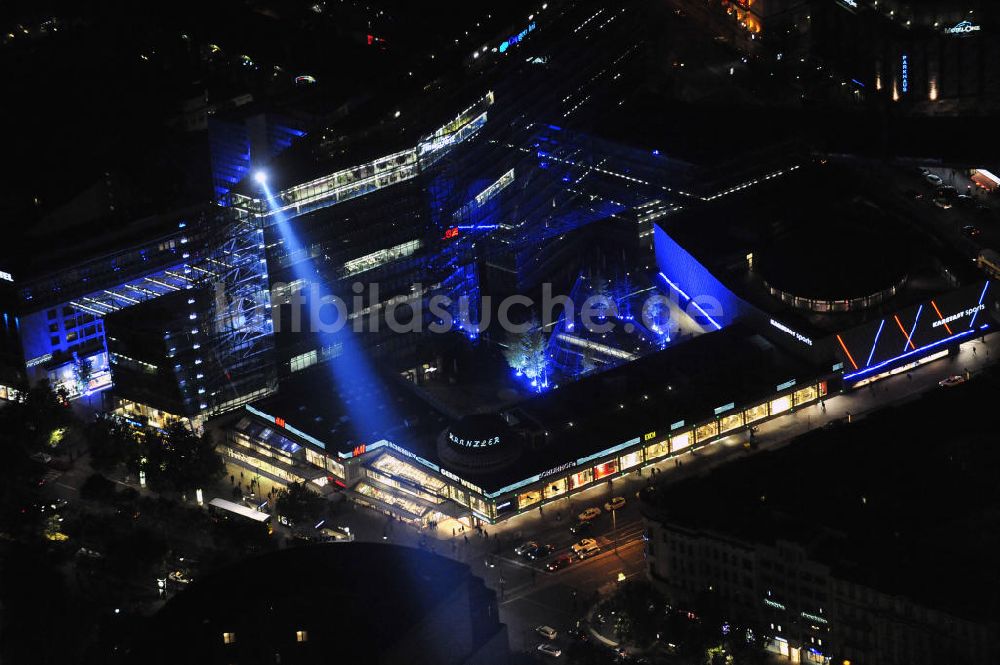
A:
(907, 335)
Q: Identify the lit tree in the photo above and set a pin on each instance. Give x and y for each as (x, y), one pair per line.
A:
(83, 370)
(526, 354)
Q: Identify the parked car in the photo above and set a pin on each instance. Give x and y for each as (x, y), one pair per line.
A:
(589, 514)
(616, 503)
(952, 381)
(524, 548)
(558, 563)
(581, 527)
(933, 179)
(547, 632)
(550, 650)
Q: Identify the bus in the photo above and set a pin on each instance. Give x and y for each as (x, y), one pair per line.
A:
(222, 508)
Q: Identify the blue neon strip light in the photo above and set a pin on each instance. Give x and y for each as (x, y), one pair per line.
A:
(908, 354)
(872, 354)
(981, 297)
(311, 439)
(909, 338)
(609, 451)
(691, 300)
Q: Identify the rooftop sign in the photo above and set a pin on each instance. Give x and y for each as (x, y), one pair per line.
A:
(963, 28)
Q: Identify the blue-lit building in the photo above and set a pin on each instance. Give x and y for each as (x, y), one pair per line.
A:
(240, 140)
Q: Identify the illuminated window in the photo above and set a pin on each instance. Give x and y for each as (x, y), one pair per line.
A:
(730, 423)
(555, 488)
(756, 413)
(229, 638)
(580, 479)
(680, 442)
(706, 431)
(528, 498)
(304, 360)
(301, 636)
(630, 460)
(657, 450)
(606, 469)
(804, 395)
(781, 405)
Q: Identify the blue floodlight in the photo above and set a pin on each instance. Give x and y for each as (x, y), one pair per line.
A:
(260, 176)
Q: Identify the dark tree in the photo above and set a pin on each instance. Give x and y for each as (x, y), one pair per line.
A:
(180, 460)
(111, 443)
(300, 504)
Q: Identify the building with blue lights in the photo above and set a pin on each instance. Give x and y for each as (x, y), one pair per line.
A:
(428, 464)
(827, 267)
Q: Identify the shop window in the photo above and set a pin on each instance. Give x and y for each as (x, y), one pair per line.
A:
(657, 450)
(605, 470)
(781, 405)
(335, 467)
(457, 494)
(229, 638)
(315, 458)
(730, 423)
(680, 442)
(580, 479)
(822, 388)
(706, 431)
(555, 488)
(301, 636)
(756, 413)
(630, 460)
(526, 499)
(805, 395)
(479, 505)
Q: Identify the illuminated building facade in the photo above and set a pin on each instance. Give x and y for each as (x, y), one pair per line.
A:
(832, 552)
(555, 445)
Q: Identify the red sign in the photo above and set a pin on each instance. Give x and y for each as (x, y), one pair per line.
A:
(280, 422)
(359, 450)
(451, 233)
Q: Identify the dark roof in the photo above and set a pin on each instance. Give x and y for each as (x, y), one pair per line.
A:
(904, 501)
(361, 598)
(683, 382)
(803, 227)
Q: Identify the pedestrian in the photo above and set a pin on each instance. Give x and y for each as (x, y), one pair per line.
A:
(466, 538)
(452, 532)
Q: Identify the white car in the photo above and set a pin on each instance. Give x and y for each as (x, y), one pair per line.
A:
(547, 632)
(550, 650)
(589, 514)
(617, 503)
(587, 547)
(933, 179)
